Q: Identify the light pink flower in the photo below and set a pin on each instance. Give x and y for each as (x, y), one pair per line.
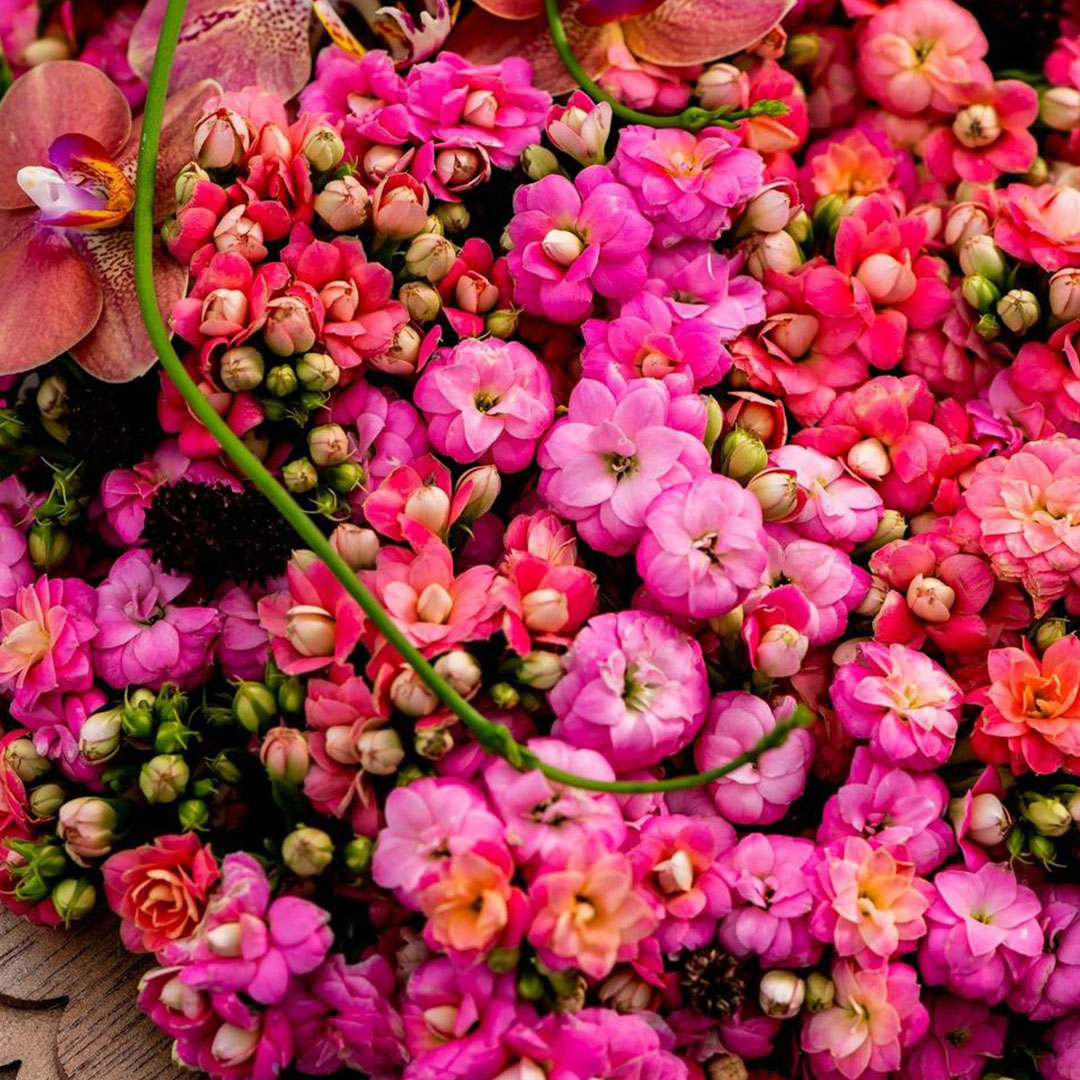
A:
(1040, 224)
(486, 401)
(758, 793)
(635, 689)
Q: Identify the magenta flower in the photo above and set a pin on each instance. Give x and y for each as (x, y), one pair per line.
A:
(244, 645)
(65, 197)
(574, 239)
(354, 90)
(45, 638)
(1063, 1062)
(248, 943)
(1048, 986)
(982, 927)
(635, 689)
(15, 569)
(769, 881)
(758, 793)
(56, 720)
(875, 1016)
(962, 1035)
(903, 702)
(611, 455)
(144, 638)
(486, 401)
(686, 184)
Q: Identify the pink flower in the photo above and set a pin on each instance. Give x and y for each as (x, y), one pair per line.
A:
(876, 1014)
(493, 105)
(15, 569)
(1040, 224)
(56, 720)
(917, 54)
(434, 608)
(426, 823)
(249, 943)
(580, 128)
(544, 818)
(160, 890)
(354, 90)
(314, 622)
(962, 1035)
(144, 638)
(758, 793)
(776, 630)
(989, 136)
(611, 455)
(982, 926)
(45, 638)
(675, 860)
(486, 401)
(572, 239)
(1048, 987)
(1028, 512)
(869, 904)
(770, 891)
(1063, 1063)
(587, 910)
(634, 689)
(704, 547)
(349, 744)
(903, 702)
(545, 602)
(244, 645)
(641, 85)
(686, 184)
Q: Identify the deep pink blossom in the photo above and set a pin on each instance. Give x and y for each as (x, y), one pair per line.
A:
(1048, 987)
(1040, 224)
(961, 1036)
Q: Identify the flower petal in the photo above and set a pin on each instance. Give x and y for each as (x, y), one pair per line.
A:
(513, 9)
(695, 31)
(51, 100)
(118, 349)
(250, 43)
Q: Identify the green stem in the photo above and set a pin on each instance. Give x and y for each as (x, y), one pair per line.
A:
(692, 119)
(494, 737)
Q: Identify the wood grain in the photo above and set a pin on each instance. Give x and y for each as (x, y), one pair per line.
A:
(67, 1006)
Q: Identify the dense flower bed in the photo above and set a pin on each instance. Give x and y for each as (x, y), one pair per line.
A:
(757, 434)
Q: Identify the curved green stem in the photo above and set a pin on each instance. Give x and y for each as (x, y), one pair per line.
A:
(494, 737)
(692, 119)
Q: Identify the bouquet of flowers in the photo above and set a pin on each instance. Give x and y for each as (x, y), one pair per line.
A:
(542, 541)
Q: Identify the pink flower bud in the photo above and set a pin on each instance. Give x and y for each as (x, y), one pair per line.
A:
(562, 247)
(343, 204)
(429, 506)
(545, 611)
(399, 207)
(421, 301)
(887, 280)
(238, 233)
(311, 630)
(977, 125)
(771, 208)
(224, 312)
(675, 874)
(222, 138)
(289, 328)
(328, 445)
(285, 755)
(1059, 108)
(430, 256)
(781, 994)
(869, 459)
(875, 596)
(232, 1046)
(965, 220)
(340, 299)
(380, 161)
(324, 148)
(401, 357)
(581, 128)
(474, 294)
(411, 696)
(1065, 294)
(380, 751)
(929, 598)
(627, 992)
(483, 484)
(481, 109)
(357, 545)
(723, 84)
(86, 827)
(461, 670)
(980, 255)
(793, 333)
(780, 651)
(461, 168)
(272, 142)
(990, 821)
(772, 251)
(778, 492)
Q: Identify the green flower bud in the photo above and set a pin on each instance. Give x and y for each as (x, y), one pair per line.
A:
(73, 898)
(1044, 849)
(538, 161)
(1016, 842)
(290, 695)
(714, 422)
(820, 992)
(318, 372)
(1019, 310)
(346, 477)
(453, 216)
(307, 852)
(742, 455)
(981, 257)
(802, 49)
(988, 327)
(504, 696)
(224, 768)
(99, 738)
(300, 476)
(421, 300)
(979, 291)
(254, 706)
(50, 861)
(163, 778)
(170, 704)
(172, 736)
(1048, 631)
(502, 323)
(48, 545)
(46, 800)
(1048, 815)
(12, 429)
(281, 380)
(826, 215)
(21, 756)
(540, 669)
(530, 986)
(328, 444)
(324, 148)
(503, 960)
(357, 854)
(433, 742)
(193, 815)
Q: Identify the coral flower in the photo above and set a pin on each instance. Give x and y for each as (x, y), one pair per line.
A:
(1040, 224)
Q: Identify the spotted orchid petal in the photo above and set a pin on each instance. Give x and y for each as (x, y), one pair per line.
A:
(244, 43)
(338, 32)
(49, 101)
(52, 298)
(681, 32)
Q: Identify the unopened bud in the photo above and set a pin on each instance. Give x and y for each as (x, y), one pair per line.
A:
(281, 380)
(875, 596)
(980, 256)
(781, 994)
(990, 821)
(1048, 815)
(328, 445)
(1065, 294)
(772, 251)
(505, 696)
(344, 204)
(163, 778)
(1048, 631)
(421, 301)
(892, 526)
(714, 422)
(778, 493)
(52, 398)
(454, 217)
(820, 992)
(357, 854)
(285, 755)
(411, 696)
(540, 669)
(1044, 849)
(73, 898)
(722, 85)
(461, 670)
(357, 545)
(562, 247)
(46, 800)
(193, 815)
(433, 742)
(23, 758)
(307, 852)
(300, 476)
(324, 148)
(1059, 108)
(1018, 309)
(242, 368)
(965, 220)
(869, 459)
(742, 455)
(47, 544)
(930, 599)
(538, 161)
(726, 1067)
(317, 372)
(254, 706)
(430, 257)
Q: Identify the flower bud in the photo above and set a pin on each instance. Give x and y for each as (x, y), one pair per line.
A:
(357, 854)
(73, 898)
(930, 599)
(820, 992)
(433, 741)
(224, 768)
(726, 1067)
(869, 459)
(581, 128)
(714, 422)
(483, 484)
(307, 852)
(87, 828)
(781, 994)
(504, 959)
(505, 696)
(311, 630)
(1065, 294)
(887, 280)
(1018, 309)
(976, 126)
(343, 204)
(289, 328)
(562, 247)
(236, 232)
(980, 292)
(23, 758)
(538, 161)
(454, 217)
(222, 138)
(46, 800)
(780, 651)
(421, 301)
(380, 160)
(430, 257)
(357, 545)
(193, 815)
(429, 506)
(722, 85)
(399, 207)
(434, 604)
(965, 220)
(401, 357)
(979, 255)
(771, 251)
(1059, 108)
(52, 398)
(1048, 631)
(988, 327)
(545, 611)
(328, 445)
(540, 669)
(138, 716)
(99, 738)
(1044, 849)
(163, 778)
(1049, 815)
(299, 476)
(892, 526)
(802, 49)
(187, 180)
(380, 751)
(254, 706)
(768, 211)
(47, 544)
(778, 492)
(875, 596)
(742, 455)
(285, 755)
(411, 696)
(990, 821)
(281, 380)
(324, 148)
(318, 372)
(242, 368)
(461, 670)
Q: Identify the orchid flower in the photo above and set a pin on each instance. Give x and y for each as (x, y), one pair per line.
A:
(667, 32)
(66, 190)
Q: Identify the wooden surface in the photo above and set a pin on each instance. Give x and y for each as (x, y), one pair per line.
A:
(67, 1007)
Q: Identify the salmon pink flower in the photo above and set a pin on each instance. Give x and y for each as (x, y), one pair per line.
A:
(983, 926)
(903, 702)
(1040, 224)
(65, 197)
(857, 161)
(545, 602)
(588, 911)
(875, 1016)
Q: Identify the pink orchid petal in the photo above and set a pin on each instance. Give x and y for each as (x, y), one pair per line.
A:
(51, 100)
(52, 299)
(261, 43)
(513, 9)
(117, 349)
(695, 31)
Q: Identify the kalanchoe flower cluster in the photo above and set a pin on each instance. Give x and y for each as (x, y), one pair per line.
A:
(653, 441)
